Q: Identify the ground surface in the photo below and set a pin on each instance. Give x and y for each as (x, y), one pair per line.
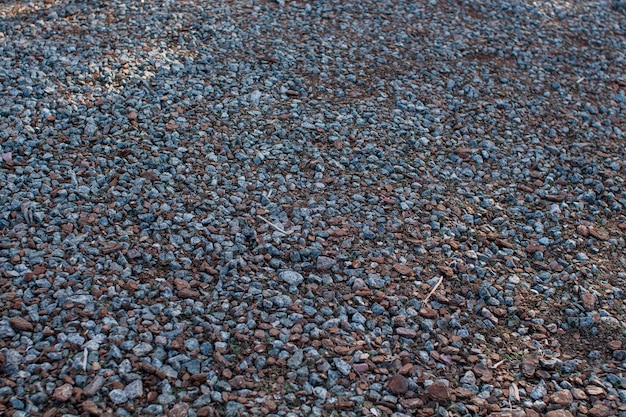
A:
(337, 208)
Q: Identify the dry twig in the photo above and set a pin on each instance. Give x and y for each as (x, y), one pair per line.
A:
(274, 226)
(432, 291)
(85, 360)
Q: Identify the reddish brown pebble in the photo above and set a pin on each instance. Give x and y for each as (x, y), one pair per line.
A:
(20, 323)
(480, 402)
(360, 367)
(188, 293)
(528, 369)
(463, 392)
(411, 403)
(589, 301)
(556, 197)
(594, 390)
(429, 313)
(398, 384)
(238, 382)
(578, 394)
(91, 408)
(63, 393)
(504, 243)
(531, 413)
(405, 332)
(485, 373)
(535, 248)
(438, 391)
(563, 397)
(403, 269)
(406, 369)
(615, 344)
(51, 412)
(599, 410)
(343, 404)
(111, 247)
(181, 284)
(559, 413)
(206, 411)
(271, 405)
(599, 234)
(446, 270)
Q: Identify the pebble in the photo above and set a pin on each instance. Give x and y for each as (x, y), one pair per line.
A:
(342, 366)
(63, 393)
(118, 396)
(291, 277)
(405, 332)
(438, 391)
(539, 391)
(469, 379)
(94, 386)
(599, 410)
(296, 359)
(578, 394)
(325, 263)
(19, 323)
(233, 409)
(594, 390)
(91, 408)
(321, 393)
(6, 331)
(559, 413)
(179, 410)
(142, 349)
(509, 413)
(134, 390)
(563, 397)
(398, 384)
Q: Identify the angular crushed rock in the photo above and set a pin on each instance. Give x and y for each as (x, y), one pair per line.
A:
(312, 208)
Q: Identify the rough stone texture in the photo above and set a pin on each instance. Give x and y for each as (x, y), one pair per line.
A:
(179, 410)
(63, 393)
(398, 384)
(19, 323)
(559, 413)
(312, 208)
(509, 413)
(599, 410)
(291, 277)
(563, 397)
(438, 391)
(94, 386)
(91, 408)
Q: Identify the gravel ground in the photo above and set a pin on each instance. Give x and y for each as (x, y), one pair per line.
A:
(324, 208)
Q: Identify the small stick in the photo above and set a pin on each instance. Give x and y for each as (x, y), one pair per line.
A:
(497, 364)
(85, 360)
(432, 291)
(274, 226)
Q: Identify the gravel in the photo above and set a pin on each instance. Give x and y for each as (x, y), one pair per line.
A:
(312, 208)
